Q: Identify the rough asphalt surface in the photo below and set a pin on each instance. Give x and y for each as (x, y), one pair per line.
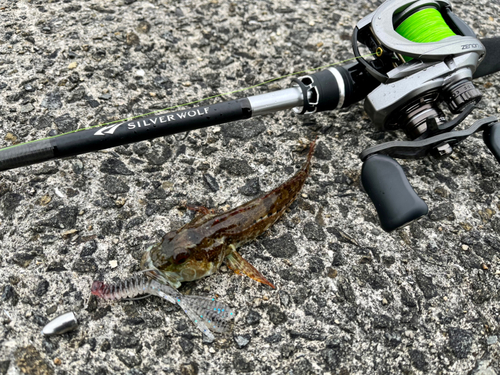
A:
(350, 298)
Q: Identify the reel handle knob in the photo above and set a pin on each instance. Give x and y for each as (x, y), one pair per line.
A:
(491, 137)
(396, 202)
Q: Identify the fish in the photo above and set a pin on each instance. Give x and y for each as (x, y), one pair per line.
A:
(200, 247)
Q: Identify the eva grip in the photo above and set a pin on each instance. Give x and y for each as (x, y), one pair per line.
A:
(491, 63)
(396, 202)
(27, 154)
(491, 137)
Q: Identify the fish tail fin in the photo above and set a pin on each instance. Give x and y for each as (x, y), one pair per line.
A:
(307, 165)
(240, 265)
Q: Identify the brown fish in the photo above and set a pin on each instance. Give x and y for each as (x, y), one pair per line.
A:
(198, 248)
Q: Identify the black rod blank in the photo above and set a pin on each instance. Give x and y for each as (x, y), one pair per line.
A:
(136, 130)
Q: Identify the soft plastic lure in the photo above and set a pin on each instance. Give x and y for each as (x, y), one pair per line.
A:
(207, 314)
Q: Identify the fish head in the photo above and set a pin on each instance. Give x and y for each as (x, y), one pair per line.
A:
(174, 259)
(150, 265)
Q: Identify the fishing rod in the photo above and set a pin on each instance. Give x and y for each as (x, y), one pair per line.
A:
(330, 89)
(421, 56)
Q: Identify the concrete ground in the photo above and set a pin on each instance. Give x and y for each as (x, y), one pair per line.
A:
(350, 298)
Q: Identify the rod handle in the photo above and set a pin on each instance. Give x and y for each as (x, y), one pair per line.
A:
(396, 202)
(491, 137)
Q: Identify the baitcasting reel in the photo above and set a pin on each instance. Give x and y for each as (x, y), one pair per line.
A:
(420, 73)
(426, 56)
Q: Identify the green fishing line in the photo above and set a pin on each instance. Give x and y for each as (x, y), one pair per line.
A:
(425, 26)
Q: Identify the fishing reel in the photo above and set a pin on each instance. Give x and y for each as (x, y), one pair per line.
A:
(425, 57)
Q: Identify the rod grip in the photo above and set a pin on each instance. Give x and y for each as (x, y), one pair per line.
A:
(26, 154)
(491, 63)
(491, 137)
(395, 200)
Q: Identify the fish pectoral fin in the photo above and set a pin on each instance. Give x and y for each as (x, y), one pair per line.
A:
(240, 266)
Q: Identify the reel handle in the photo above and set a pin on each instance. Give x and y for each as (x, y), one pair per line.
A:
(396, 202)
(491, 137)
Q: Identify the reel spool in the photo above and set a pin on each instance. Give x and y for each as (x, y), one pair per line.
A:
(424, 25)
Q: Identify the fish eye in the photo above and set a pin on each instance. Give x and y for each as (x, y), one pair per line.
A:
(180, 257)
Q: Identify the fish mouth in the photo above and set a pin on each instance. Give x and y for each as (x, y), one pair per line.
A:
(167, 278)
(151, 271)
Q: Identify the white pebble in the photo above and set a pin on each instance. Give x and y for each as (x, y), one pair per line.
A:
(140, 73)
(492, 340)
(410, 334)
(59, 193)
